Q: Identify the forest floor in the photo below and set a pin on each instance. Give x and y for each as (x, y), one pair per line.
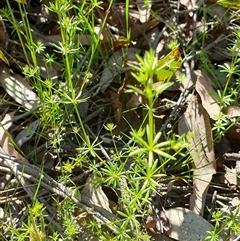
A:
(120, 120)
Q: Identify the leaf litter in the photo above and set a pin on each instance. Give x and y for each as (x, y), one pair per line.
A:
(194, 107)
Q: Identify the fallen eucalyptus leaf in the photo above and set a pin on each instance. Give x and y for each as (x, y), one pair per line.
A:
(96, 195)
(27, 133)
(208, 95)
(6, 142)
(19, 89)
(196, 120)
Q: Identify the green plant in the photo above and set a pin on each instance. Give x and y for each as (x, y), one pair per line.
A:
(59, 99)
(137, 169)
(229, 94)
(34, 229)
(226, 225)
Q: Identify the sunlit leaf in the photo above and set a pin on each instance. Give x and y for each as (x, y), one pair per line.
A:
(234, 4)
(3, 58)
(108, 46)
(21, 1)
(168, 65)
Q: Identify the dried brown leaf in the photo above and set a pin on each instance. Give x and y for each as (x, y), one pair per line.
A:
(6, 142)
(233, 133)
(134, 101)
(4, 38)
(19, 89)
(96, 195)
(150, 223)
(140, 29)
(208, 95)
(196, 121)
(27, 133)
(232, 111)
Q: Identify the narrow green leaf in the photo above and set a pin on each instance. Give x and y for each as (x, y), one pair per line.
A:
(21, 1)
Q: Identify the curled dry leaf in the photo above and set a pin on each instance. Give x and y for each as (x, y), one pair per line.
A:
(6, 142)
(96, 195)
(196, 121)
(150, 223)
(232, 111)
(160, 213)
(208, 95)
(19, 89)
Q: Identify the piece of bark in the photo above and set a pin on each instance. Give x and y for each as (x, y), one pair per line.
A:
(196, 121)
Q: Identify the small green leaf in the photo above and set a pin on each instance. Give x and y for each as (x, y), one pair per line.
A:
(164, 154)
(160, 87)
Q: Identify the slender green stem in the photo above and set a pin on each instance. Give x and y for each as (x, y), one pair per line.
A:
(16, 27)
